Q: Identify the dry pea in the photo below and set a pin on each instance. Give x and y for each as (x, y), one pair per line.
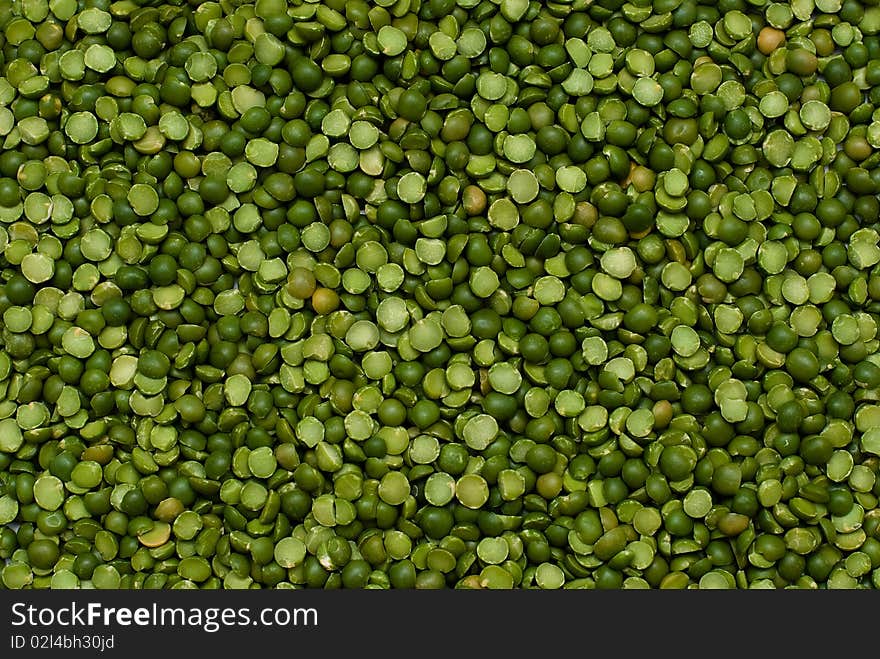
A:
(440, 294)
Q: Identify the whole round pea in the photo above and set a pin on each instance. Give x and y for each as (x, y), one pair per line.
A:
(640, 318)
(163, 269)
(301, 283)
(43, 553)
(676, 462)
(802, 364)
(190, 408)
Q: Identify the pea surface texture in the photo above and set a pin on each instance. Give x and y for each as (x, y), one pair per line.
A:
(481, 294)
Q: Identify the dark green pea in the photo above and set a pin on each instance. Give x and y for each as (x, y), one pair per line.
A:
(802, 364)
(436, 522)
(676, 462)
(678, 523)
(641, 318)
(726, 479)
(840, 501)
(453, 459)
(816, 449)
(402, 574)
